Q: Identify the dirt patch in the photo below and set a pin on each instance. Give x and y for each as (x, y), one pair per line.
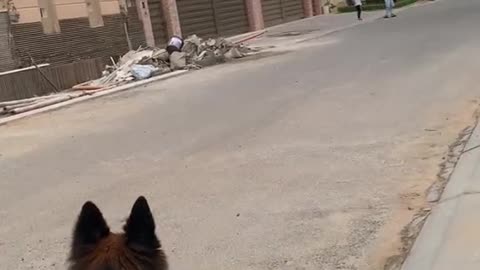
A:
(429, 161)
(410, 232)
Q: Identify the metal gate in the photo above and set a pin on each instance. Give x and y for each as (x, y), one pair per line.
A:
(207, 18)
(281, 11)
(158, 23)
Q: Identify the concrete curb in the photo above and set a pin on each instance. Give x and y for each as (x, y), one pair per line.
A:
(339, 29)
(352, 25)
(119, 89)
(446, 240)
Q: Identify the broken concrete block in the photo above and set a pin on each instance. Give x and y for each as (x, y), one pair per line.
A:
(208, 59)
(234, 53)
(161, 54)
(177, 60)
(193, 39)
(210, 42)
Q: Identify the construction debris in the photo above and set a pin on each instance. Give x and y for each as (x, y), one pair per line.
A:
(177, 60)
(28, 104)
(189, 54)
(212, 51)
(147, 62)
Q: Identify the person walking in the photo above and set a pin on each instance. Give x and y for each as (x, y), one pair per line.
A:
(358, 6)
(389, 5)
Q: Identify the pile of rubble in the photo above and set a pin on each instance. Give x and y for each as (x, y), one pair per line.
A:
(141, 64)
(212, 51)
(149, 62)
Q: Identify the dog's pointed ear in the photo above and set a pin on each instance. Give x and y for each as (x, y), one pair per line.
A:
(91, 227)
(140, 228)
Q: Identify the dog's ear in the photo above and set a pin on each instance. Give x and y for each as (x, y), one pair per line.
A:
(140, 228)
(91, 227)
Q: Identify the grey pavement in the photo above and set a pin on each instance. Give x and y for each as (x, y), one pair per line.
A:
(450, 237)
(290, 34)
(314, 158)
(322, 24)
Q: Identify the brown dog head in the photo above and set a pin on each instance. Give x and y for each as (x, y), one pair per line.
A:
(94, 247)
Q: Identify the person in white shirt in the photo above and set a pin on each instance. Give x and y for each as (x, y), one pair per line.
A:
(358, 6)
(389, 4)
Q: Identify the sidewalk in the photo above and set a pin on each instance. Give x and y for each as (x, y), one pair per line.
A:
(450, 238)
(286, 35)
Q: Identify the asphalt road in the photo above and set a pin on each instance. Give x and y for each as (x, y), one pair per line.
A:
(311, 159)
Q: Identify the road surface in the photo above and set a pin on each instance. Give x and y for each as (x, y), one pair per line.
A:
(311, 159)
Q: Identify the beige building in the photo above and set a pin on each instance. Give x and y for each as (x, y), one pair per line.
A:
(62, 31)
(51, 11)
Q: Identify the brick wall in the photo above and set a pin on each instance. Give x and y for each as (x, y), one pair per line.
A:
(77, 39)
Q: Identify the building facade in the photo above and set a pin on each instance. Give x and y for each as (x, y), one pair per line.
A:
(62, 31)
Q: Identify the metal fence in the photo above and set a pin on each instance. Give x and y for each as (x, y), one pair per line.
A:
(30, 83)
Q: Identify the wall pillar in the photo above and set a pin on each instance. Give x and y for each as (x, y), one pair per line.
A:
(255, 14)
(308, 8)
(144, 15)
(317, 7)
(172, 20)
(48, 13)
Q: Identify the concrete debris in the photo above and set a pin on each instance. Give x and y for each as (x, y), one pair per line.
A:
(140, 65)
(234, 53)
(160, 55)
(178, 60)
(134, 65)
(209, 58)
(147, 62)
(212, 51)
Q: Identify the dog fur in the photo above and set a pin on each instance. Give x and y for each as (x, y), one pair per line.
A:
(94, 247)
